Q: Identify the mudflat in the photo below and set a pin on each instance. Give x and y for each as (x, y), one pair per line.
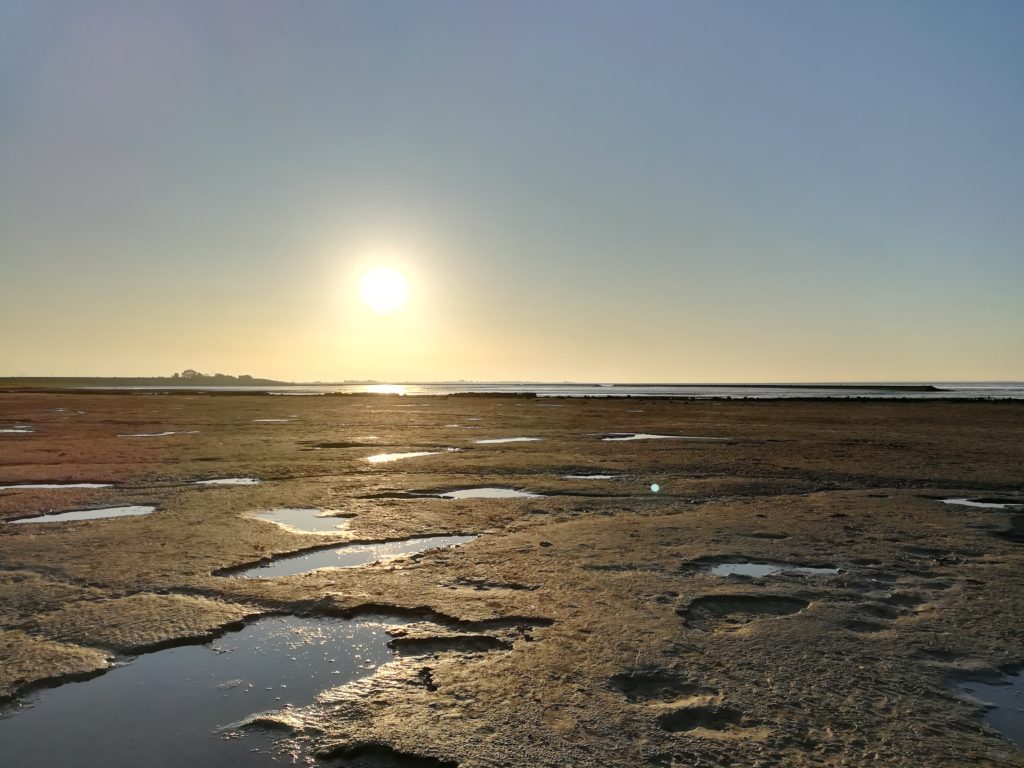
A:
(583, 621)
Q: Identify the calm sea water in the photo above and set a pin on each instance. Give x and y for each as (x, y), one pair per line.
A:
(962, 390)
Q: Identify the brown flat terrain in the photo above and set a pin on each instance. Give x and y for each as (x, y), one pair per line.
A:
(581, 627)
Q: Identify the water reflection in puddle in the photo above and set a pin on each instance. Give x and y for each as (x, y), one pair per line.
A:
(161, 434)
(51, 486)
(230, 481)
(488, 493)
(756, 570)
(495, 440)
(349, 556)
(88, 514)
(382, 458)
(304, 519)
(1006, 702)
(588, 477)
(986, 503)
(162, 710)
(17, 429)
(621, 436)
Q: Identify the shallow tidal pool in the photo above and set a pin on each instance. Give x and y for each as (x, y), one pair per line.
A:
(347, 556)
(168, 709)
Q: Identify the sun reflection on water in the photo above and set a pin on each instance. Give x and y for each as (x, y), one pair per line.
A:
(385, 389)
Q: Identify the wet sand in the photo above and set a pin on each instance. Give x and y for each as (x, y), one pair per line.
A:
(585, 625)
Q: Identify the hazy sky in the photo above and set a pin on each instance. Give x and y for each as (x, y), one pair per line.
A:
(659, 191)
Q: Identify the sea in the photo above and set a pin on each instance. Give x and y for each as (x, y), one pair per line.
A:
(881, 391)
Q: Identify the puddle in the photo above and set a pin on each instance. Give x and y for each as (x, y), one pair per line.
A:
(1006, 702)
(52, 486)
(620, 436)
(492, 441)
(272, 421)
(304, 519)
(382, 458)
(163, 709)
(230, 481)
(17, 429)
(587, 477)
(757, 570)
(349, 556)
(489, 493)
(88, 514)
(984, 503)
(161, 434)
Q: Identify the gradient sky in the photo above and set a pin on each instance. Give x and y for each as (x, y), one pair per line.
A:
(584, 190)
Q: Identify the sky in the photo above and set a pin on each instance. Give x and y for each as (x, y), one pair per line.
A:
(683, 191)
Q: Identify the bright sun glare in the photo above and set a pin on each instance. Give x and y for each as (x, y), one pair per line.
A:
(384, 289)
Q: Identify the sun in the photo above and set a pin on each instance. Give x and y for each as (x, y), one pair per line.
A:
(384, 289)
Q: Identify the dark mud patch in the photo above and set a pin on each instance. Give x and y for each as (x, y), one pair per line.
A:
(429, 646)
(711, 718)
(943, 655)
(730, 611)
(1015, 533)
(654, 685)
(864, 627)
(373, 755)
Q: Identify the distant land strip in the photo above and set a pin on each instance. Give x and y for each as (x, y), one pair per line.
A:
(223, 380)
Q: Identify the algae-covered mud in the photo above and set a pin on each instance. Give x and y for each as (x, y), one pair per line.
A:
(814, 583)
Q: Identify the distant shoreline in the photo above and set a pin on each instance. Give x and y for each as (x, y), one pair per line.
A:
(118, 382)
(223, 385)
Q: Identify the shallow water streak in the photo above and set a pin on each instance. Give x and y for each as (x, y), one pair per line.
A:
(349, 556)
(1006, 702)
(489, 493)
(162, 709)
(230, 481)
(496, 440)
(985, 503)
(382, 458)
(51, 486)
(304, 519)
(89, 514)
(622, 436)
(756, 570)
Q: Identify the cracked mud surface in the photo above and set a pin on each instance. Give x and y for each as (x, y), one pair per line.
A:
(574, 630)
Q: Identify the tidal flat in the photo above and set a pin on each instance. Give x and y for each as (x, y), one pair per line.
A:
(582, 625)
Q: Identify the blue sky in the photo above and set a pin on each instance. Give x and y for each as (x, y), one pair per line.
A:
(663, 191)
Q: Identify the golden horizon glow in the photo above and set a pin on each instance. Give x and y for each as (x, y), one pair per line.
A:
(384, 289)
